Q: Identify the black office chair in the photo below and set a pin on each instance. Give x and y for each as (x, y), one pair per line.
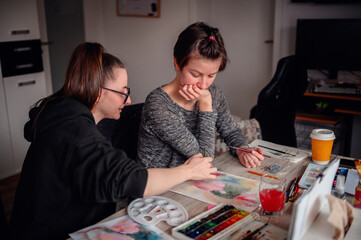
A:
(123, 133)
(277, 102)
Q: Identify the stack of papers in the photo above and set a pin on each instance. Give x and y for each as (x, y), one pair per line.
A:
(280, 151)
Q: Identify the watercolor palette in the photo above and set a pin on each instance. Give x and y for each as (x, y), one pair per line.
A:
(216, 223)
(310, 175)
(152, 210)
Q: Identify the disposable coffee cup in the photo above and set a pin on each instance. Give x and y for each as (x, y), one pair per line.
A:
(322, 141)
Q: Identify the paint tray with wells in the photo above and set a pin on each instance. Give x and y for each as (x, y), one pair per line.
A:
(152, 210)
(310, 175)
(216, 223)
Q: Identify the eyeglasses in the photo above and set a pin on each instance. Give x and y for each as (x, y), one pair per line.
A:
(124, 94)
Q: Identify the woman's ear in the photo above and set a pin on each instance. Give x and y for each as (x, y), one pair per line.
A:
(176, 65)
(99, 95)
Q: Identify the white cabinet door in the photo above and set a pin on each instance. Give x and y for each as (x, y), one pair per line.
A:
(7, 167)
(21, 93)
(18, 20)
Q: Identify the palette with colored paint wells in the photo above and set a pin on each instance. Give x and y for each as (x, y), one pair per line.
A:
(216, 223)
(152, 210)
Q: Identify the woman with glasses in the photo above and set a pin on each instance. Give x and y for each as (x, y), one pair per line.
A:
(72, 177)
(179, 119)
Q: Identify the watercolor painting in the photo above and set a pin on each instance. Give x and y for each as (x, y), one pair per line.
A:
(122, 228)
(226, 188)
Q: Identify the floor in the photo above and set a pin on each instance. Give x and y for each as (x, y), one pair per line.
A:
(7, 193)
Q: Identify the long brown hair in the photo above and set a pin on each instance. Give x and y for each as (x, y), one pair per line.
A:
(88, 70)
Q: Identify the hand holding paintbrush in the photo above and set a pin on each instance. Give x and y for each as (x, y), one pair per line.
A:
(246, 150)
(249, 157)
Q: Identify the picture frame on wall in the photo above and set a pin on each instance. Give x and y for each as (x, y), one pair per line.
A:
(138, 8)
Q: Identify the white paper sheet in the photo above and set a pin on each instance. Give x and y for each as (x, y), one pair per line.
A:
(351, 181)
(311, 203)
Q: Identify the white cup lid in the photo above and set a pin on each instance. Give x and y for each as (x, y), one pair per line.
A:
(322, 134)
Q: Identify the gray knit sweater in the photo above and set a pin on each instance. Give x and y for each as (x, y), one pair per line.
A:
(170, 134)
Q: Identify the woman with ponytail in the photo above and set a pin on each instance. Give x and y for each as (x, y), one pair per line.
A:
(72, 177)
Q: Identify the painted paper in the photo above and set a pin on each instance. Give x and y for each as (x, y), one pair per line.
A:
(226, 188)
(122, 228)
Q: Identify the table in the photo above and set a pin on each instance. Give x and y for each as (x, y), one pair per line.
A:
(229, 164)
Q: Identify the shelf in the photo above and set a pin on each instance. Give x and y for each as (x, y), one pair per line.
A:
(343, 97)
(319, 118)
(353, 112)
(341, 104)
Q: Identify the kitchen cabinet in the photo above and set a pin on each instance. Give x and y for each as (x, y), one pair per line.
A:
(22, 78)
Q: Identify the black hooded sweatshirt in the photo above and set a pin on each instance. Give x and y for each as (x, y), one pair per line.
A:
(72, 176)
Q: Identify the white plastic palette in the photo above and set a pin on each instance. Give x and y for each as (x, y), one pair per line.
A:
(310, 175)
(152, 210)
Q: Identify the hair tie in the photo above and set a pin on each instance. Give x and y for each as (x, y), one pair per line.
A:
(211, 38)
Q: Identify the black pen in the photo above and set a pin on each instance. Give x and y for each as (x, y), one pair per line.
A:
(296, 190)
(289, 188)
(293, 187)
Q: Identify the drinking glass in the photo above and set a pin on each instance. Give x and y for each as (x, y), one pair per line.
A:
(272, 194)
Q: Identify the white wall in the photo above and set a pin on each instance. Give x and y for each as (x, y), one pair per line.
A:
(146, 44)
(45, 45)
(93, 20)
(245, 26)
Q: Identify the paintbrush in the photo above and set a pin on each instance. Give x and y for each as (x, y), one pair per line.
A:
(246, 150)
(276, 150)
(250, 236)
(261, 174)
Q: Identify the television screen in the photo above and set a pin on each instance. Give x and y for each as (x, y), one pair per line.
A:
(327, 1)
(329, 44)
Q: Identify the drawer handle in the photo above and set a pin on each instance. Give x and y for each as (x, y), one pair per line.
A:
(17, 32)
(20, 84)
(47, 43)
(22, 49)
(22, 66)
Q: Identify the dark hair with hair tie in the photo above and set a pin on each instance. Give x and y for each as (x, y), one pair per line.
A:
(202, 38)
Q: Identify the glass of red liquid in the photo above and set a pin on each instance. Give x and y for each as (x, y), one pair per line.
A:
(272, 194)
